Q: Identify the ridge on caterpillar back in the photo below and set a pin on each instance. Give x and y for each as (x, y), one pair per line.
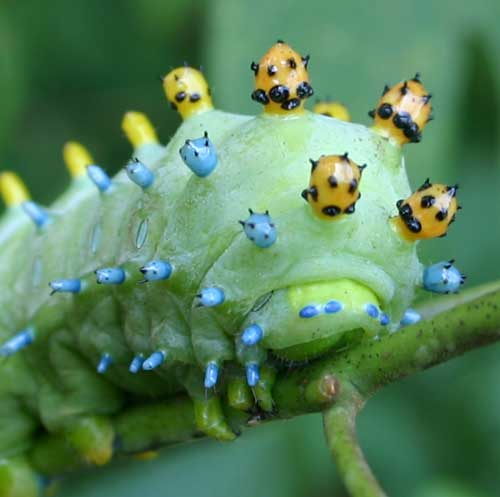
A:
(157, 281)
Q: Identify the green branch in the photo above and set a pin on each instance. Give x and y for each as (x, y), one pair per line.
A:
(340, 429)
(338, 385)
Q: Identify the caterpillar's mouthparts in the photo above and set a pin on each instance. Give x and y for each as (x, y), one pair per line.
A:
(317, 316)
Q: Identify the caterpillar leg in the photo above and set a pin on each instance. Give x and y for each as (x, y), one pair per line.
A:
(208, 413)
(239, 394)
(243, 398)
(210, 419)
(264, 387)
(18, 479)
(92, 437)
(74, 401)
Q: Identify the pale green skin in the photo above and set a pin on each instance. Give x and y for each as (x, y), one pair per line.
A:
(193, 223)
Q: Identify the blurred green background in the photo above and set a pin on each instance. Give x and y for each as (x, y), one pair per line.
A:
(69, 70)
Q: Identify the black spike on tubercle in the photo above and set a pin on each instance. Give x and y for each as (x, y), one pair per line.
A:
(426, 184)
(371, 113)
(416, 78)
(314, 164)
(404, 88)
(385, 90)
(254, 67)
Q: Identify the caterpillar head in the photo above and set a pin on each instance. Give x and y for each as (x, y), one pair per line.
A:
(428, 212)
(403, 111)
(334, 186)
(281, 80)
(187, 91)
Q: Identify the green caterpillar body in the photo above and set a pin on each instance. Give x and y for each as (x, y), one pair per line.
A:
(191, 221)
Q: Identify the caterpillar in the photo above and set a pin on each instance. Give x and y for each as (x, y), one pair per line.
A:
(245, 243)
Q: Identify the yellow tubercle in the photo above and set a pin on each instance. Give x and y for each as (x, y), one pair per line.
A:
(187, 91)
(403, 111)
(149, 455)
(332, 109)
(427, 213)
(77, 158)
(281, 80)
(138, 129)
(334, 186)
(12, 189)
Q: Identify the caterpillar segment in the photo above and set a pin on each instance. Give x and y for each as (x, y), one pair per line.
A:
(162, 283)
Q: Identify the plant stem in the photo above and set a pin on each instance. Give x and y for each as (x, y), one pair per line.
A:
(340, 430)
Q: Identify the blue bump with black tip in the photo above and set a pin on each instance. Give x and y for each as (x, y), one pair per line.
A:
(70, 285)
(443, 277)
(253, 374)
(110, 276)
(36, 213)
(156, 270)
(99, 177)
(260, 229)
(104, 363)
(155, 360)
(211, 375)
(199, 155)
(252, 335)
(210, 297)
(18, 342)
(140, 174)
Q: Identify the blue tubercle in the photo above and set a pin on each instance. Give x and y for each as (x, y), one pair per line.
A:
(372, 310)
(104, 363)
(136, 364)
(211, 375)
(210, 297)
(139, 173)
(154, 360)
(260, 229)
(384, 319)
(156, 270)
(199, 155)
(411, 316)
(253, 374)
(252, 335)
(71, 285)
(443, 277)
(110, 276)
(17, 342)
(99, 177)
(309, 311)
(333, 307)
(36, 213)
